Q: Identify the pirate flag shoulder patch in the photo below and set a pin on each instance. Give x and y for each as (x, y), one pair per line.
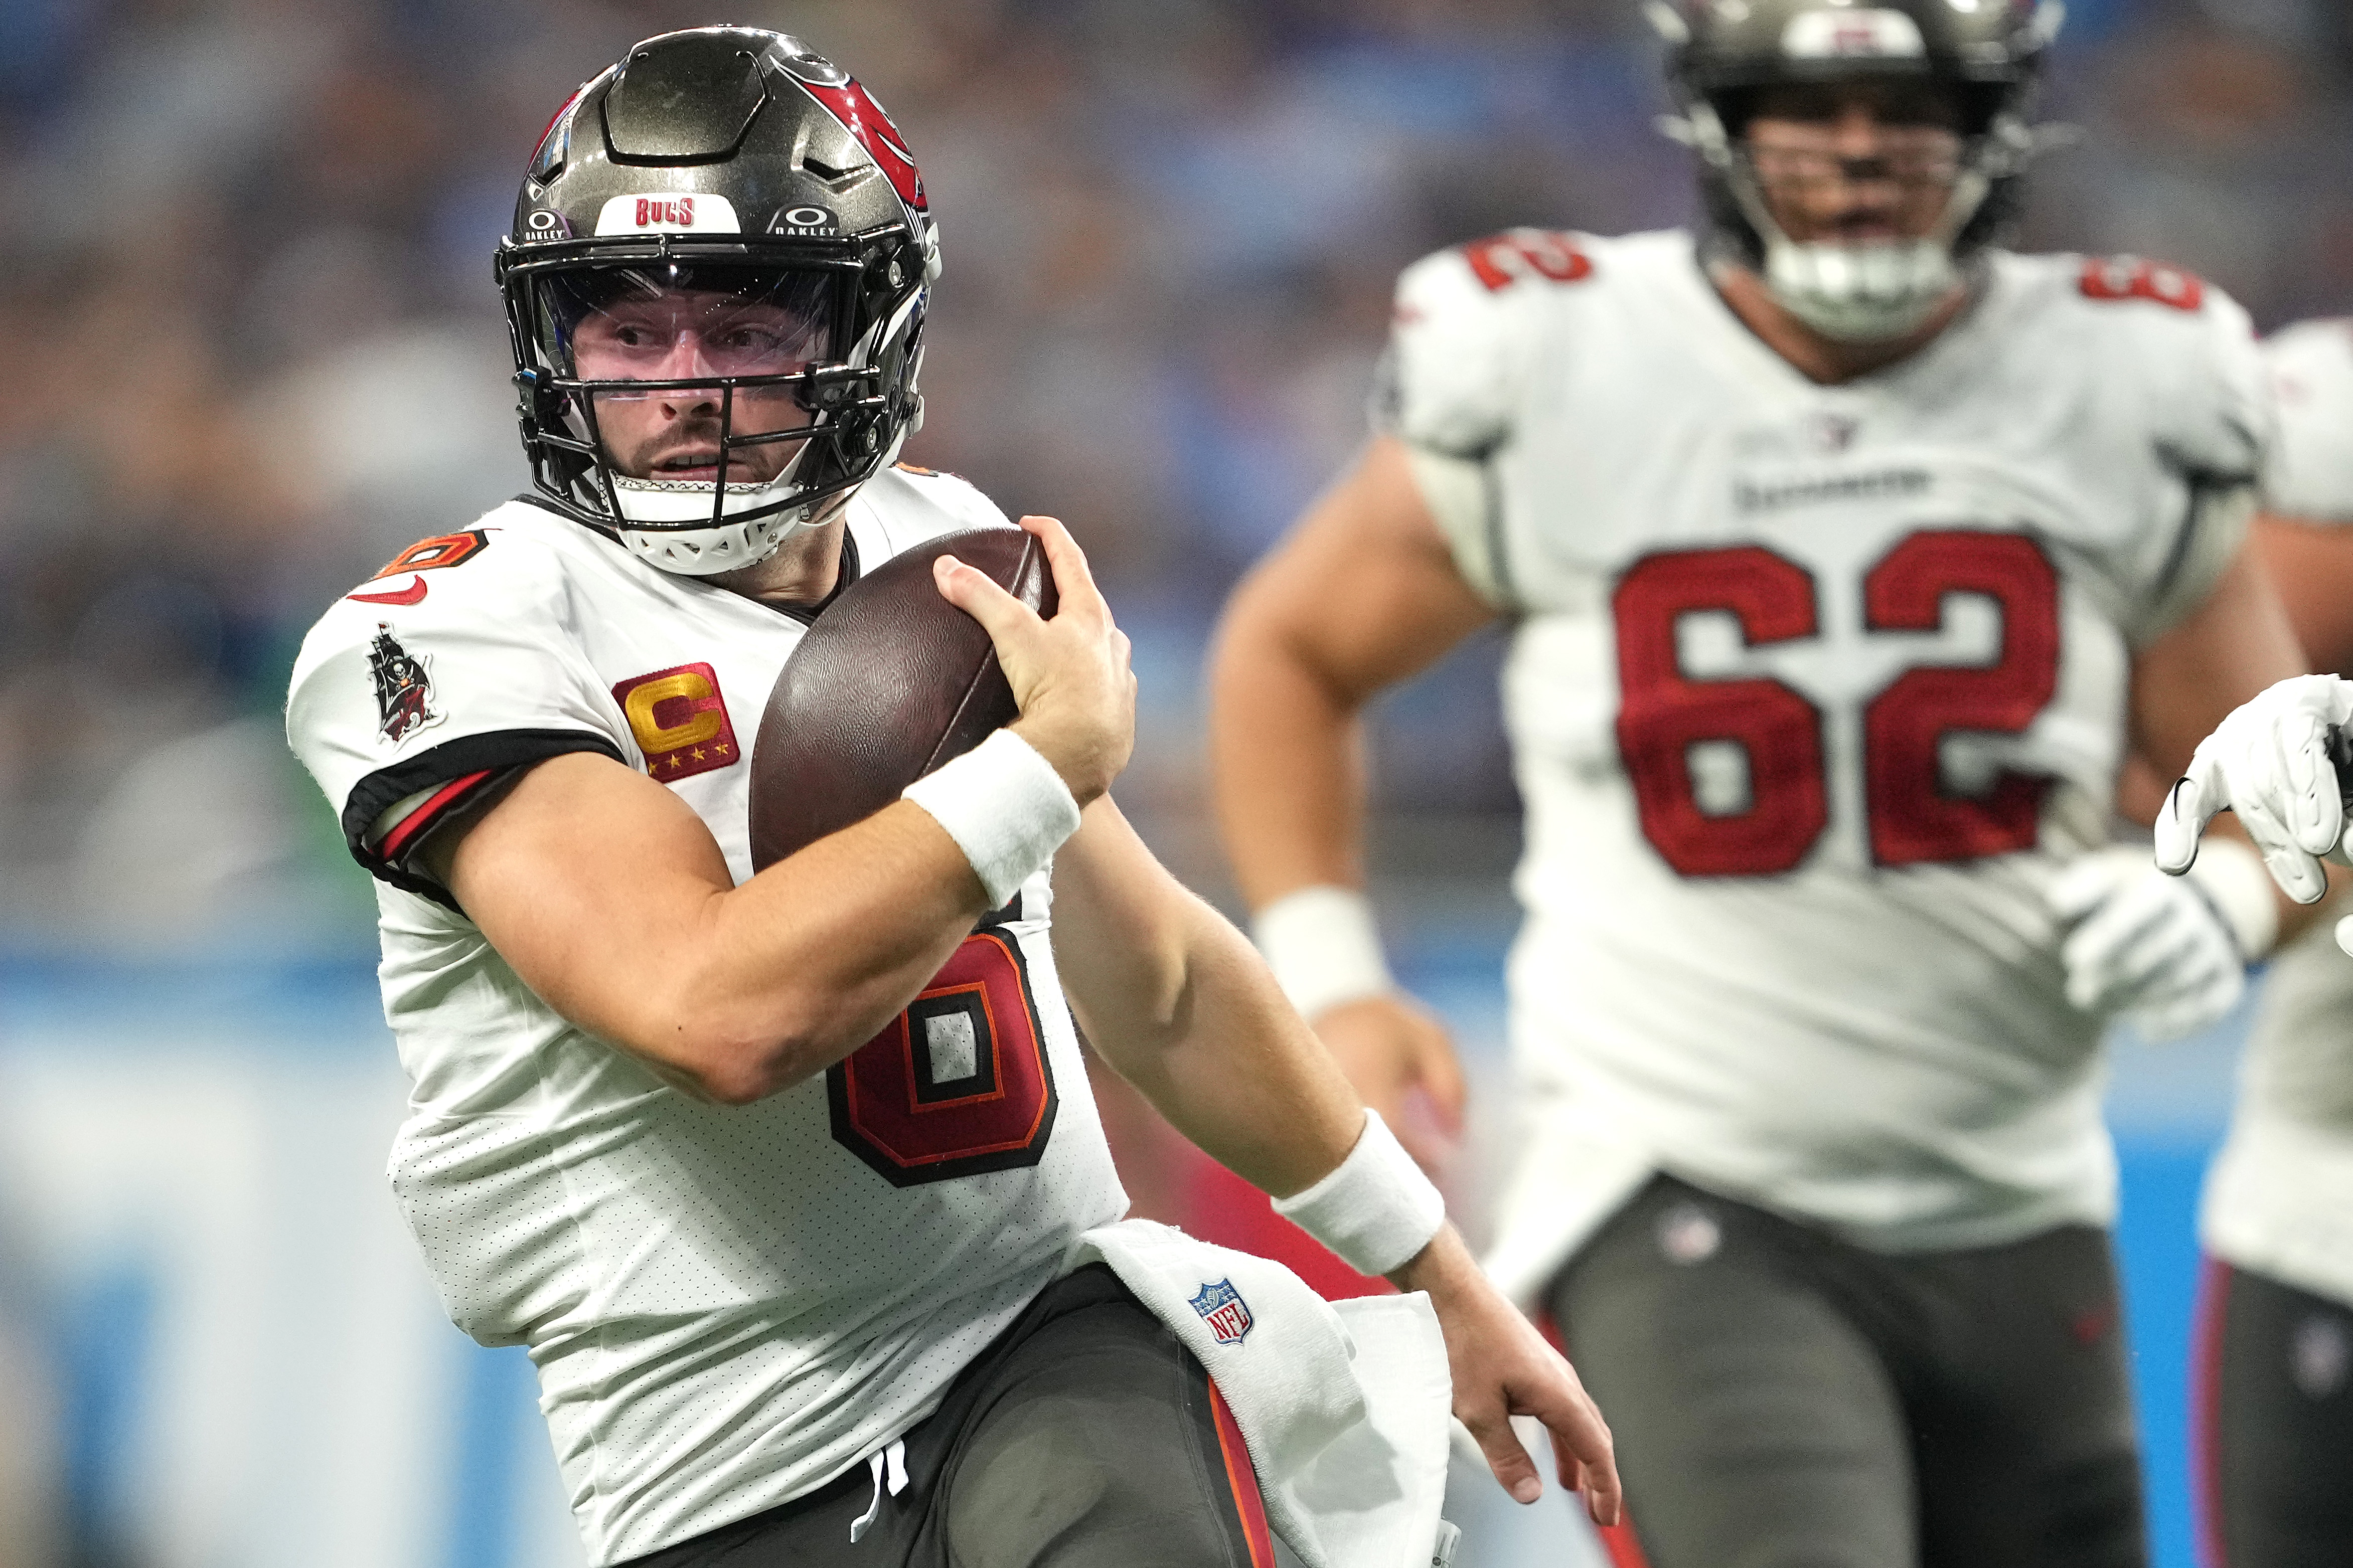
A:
(404, 687)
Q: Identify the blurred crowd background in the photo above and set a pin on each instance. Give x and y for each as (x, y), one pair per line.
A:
(253, 349)
(256, 349)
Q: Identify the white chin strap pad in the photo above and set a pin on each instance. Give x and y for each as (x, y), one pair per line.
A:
(1867, 292)
(707, 552)
(735, 540)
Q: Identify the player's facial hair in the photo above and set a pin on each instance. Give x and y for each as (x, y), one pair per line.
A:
(757, 412)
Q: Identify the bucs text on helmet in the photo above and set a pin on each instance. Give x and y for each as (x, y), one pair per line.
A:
(715, 286)
(1722, 55)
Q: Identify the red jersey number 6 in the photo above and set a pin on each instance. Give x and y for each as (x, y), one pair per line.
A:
(957, 1085)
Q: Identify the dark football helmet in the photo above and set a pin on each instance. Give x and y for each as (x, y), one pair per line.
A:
(716, 285)
(1986, 56)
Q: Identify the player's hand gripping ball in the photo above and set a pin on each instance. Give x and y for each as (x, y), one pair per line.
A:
(889, 683)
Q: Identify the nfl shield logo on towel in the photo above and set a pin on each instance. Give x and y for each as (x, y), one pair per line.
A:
(1222, 1308)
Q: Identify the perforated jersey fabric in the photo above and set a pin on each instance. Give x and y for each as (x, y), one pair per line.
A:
(727, 1306)
(1811, 693)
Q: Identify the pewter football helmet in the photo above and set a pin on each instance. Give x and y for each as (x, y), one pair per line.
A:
(1722, 53)
(727, 224)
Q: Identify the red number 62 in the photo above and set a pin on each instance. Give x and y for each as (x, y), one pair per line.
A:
(1912, 817)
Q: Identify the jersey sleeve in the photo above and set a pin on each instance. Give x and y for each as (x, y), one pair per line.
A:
(915, 505)
(417, 695)
(2209, 411)
(1449, 388)
(2309, 477)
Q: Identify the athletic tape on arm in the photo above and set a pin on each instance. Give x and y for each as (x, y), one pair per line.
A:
(1375, 1209)
(1006, 808)
(1323, 949)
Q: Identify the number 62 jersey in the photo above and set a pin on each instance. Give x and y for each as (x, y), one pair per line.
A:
(1811, 691)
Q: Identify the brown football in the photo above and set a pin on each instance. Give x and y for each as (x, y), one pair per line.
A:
(890, 682)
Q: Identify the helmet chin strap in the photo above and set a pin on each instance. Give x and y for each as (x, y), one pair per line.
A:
(1864, 291)
(737, 540)
(732, 544)
(1868, 293)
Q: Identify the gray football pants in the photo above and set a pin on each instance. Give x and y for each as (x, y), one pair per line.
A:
(1782, 1399)
(1086, 1435)
(2277, 1420)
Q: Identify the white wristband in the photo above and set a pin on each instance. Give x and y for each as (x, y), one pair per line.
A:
(1006, 808)
(1324, 949)
(2233, 877)
(1376, 1209)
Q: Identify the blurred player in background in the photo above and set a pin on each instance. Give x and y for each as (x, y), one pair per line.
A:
(2274, 1400)
(1846, 559)
(787, 1179)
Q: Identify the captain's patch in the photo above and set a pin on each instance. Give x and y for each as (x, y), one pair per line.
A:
(679, 720)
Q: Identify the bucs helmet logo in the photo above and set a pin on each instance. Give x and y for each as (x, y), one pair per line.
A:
(863, 118)
(404, 688)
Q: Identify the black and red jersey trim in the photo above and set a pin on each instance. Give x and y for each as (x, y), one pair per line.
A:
(442, 801)
(459, 773)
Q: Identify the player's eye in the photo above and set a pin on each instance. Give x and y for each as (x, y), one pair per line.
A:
(623, 335)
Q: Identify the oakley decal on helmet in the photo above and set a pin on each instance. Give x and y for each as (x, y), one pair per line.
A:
(715, 287)
(1722, 55)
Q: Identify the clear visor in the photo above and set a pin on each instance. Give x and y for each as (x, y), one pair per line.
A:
(1855, 179)
(718, 353)
(1796, 156)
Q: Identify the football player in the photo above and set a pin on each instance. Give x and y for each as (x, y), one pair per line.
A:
(790, 1182)
(2274, 1402)
(1845, 557)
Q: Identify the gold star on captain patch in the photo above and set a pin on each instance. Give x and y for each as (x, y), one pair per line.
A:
(721, 748)
(699, 755)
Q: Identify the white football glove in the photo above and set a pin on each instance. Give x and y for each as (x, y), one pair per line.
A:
(2168, 954)
(2276, 762)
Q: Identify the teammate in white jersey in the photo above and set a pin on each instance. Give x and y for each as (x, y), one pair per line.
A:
(786, 1180)
(1845, 558)
(2274, 1405)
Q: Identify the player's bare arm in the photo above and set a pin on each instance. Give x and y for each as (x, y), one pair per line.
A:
(611, 899)
(1177, 1000)
(2230, 647)
(2308, 565)
(1362, 594)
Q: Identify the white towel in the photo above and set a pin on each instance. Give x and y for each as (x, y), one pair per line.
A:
(1343, 1407)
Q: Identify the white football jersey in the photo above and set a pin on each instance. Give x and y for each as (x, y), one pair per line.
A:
(1811, 691)
(2279, 1198)
(728, 1306)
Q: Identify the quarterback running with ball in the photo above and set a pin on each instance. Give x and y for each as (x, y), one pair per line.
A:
(1846, 559)
(791, 1182)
